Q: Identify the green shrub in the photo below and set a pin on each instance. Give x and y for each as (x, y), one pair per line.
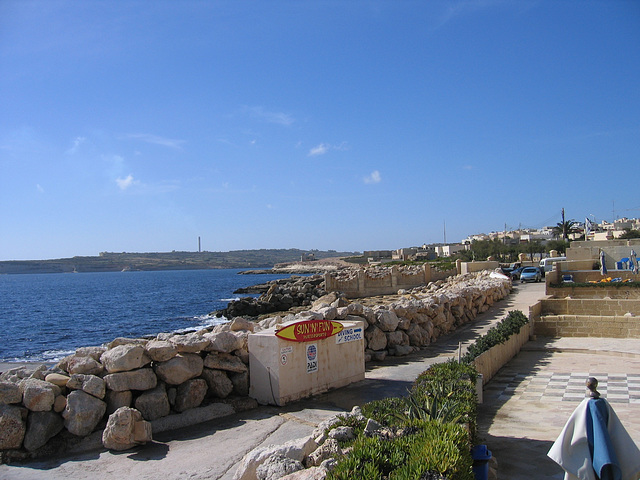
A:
(511, 325)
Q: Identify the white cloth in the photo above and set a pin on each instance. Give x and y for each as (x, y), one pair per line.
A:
(571, 448)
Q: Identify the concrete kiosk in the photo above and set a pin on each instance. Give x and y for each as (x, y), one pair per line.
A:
(284, 370)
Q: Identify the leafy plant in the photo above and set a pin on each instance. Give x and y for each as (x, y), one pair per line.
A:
(511, 325)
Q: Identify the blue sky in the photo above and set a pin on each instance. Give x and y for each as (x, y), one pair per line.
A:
(359, 125)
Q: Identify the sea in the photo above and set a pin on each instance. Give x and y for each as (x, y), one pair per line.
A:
(44, 317)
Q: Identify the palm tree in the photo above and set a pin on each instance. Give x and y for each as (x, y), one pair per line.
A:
(565, 228)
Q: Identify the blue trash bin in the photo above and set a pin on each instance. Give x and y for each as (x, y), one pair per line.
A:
(481, 456)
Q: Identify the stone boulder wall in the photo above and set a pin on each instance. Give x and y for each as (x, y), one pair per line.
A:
(122, 387)
(43, 411)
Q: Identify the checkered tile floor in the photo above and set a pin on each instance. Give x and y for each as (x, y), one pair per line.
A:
(567, 387)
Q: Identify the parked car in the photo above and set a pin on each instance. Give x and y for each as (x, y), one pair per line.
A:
(507, 270)
(515, 274)
(530, 274)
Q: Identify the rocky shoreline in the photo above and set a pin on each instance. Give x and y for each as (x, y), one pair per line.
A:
(117, 394)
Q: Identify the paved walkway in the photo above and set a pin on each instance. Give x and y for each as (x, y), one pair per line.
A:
(517, 424)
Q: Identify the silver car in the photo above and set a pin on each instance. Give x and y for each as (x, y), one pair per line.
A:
(530, 274)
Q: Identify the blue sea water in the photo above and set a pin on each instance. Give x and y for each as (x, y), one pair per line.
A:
(44, 317)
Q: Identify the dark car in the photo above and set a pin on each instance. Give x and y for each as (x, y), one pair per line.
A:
(515, 274)
(530, 274)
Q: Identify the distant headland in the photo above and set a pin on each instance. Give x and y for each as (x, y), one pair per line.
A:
(119, 262)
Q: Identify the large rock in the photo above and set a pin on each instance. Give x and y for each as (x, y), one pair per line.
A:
(115, 399)
(93, 352)
(376, 339)
(397, 338)
(190, 394)
(180, 368)
(142, 379)
(38, 395)
(10, 393)
(225, 361)
(41, 426)
(83, 413)
(83, 364)
(219, 383)
(296, 449)
(239, 323)
(161, 350)
(126, 429)
(387, 320)
(12, 426)
(87, 383)
(189, 343)
(58, 379)
(240, 383)
(277, 466)
(154, 404)
(225, 342)
(418, 336)
(124, 358)
(313, 473)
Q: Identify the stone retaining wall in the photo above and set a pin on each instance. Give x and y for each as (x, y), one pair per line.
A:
(615, 326)
(589, 306)
(488, 363)
(49, 410)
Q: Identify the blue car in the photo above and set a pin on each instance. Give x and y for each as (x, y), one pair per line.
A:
(530, 274)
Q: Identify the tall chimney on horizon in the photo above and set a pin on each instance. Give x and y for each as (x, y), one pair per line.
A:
(199, 249)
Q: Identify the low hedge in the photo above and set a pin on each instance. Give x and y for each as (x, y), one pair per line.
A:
(511, 325)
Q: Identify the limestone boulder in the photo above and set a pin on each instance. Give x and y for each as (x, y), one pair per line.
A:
(240, 383)
(115, 400)
(277, 466)
(83, 364)
(313, 473)
(57, 379)
(154, 404)
(41, 427)
(161, 350)
(142, 379)
(225, 361)
(10, 393)
(387, 320)
(38, 395)
(124, 358)
(418, 336)
(190, 394)
(397, 338)
(59, 404)
(83, 413)
(239, 323)
(180, 368)
(87, 383)
(328, 313)
(93, 352)
(126, 429)
(329, 449)
(218, 382)
(189, 343)
(225, 342)
(296, 449)
(12, 426)
(376, 339)
(116, 342)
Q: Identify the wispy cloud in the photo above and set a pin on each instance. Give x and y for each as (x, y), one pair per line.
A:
(460, 8)
(279, 118)
(39, 188)
(156, 140)
(127, 182)
(373, 177)
(323, 148)
(76, 145)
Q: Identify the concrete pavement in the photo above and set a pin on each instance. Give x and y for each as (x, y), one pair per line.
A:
(519, 430)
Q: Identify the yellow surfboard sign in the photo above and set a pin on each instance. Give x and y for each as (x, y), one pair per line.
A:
(309, 330)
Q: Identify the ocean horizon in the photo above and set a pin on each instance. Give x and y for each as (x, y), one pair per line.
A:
(45, 317)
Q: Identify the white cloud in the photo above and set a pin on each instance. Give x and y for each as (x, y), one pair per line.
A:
(373, 177)
(319, 150)
(124, 183)
(156, 140)
(325, 147)
(76, 145)
(39, 188)
(279, 118)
